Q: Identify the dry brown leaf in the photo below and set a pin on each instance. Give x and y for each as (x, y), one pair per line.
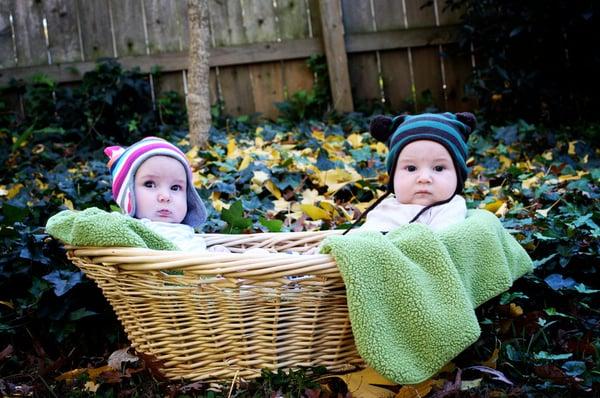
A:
(515, 310)
(416, 390)
(116, 359)
(70, 375)
(95, 372)
(491, 361)
(360, 384)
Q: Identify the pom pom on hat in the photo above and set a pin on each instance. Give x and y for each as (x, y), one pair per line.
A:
(124, 162)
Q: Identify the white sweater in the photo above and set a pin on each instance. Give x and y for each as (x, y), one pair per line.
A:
(391, 214)
(181, 235)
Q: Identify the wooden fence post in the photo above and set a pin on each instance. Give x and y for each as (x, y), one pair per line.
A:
(335, 51)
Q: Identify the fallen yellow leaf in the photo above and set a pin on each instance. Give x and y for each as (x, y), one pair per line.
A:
(8, 304)
(314, 212)
(360, 384)
(14, 191)
(494, 206)
(68, 204)
(355, 140)
(232, 149)
(572, 177)
(271, 187)
(91, 386)
(319, 135)
(245, 162)
(515, 310)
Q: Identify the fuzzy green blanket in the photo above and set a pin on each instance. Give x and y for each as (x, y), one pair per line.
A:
(412, 293)
(95, 227)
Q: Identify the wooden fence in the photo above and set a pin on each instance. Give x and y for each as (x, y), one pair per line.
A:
(377, 50)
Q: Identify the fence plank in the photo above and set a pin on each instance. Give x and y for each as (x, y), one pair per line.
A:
(266, 78)
(395, 67)
(94, 20)
(448, 16)
(292, 19)
(428, 77)
(297, 76)
(234, 82)
(63, 35)
(267, 87)
(259, 21)
(315, 18)
(335, 50)
(293, 23)
(165, 35)
(364, 73)
(129, 27)
(181, 9)
(169, 81)
(236, 93)
(426, 64)
(164, 31)
(29, 33)
(458, 71)
(397, 84)
(7, 51)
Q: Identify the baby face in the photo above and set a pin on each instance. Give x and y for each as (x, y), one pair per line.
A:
(424, 174)
(160, 185)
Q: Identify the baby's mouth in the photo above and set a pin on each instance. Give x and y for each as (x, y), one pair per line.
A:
(164, 213)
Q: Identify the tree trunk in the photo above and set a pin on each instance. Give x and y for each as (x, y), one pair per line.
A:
(198, 97)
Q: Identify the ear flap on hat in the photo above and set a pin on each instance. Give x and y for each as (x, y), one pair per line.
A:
(382, 127)
(469, 120)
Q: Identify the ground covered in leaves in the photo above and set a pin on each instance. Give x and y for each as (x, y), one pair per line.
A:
(541, 338)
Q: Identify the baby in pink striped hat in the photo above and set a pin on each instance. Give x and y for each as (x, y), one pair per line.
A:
(152, 181)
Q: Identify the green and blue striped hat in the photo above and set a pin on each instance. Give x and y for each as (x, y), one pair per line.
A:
(448, 129)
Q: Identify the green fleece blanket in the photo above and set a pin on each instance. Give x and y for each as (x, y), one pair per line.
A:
(95, 227)
(412, 293)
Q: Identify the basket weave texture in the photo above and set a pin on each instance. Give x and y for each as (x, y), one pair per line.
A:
(213, 316)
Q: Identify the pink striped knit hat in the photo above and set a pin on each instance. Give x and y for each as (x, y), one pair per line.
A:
(124, 162)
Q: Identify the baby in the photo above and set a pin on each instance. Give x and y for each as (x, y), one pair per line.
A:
(152, 181)
(427, 168)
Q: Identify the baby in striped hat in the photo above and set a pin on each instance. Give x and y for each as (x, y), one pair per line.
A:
(152, 181)
(427, 170)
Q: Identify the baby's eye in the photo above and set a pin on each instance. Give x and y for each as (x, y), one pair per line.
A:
(411, 168)
(439, 168)
(149, 184)
(176, 188)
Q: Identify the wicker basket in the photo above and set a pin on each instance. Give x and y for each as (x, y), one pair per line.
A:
(210, 316)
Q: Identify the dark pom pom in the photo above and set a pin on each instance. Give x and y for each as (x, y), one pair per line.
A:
(467, 118)
(380, 128)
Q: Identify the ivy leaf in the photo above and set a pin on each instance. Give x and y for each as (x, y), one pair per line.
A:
(323, 162)
(63, 281)
(14, 213)
(80, 313)
(574, 368)
(557, 282)
(581, 288)
(543, 355)
(271, 225)
(234, 217)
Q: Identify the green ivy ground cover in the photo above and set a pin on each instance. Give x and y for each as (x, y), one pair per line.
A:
(57, 332)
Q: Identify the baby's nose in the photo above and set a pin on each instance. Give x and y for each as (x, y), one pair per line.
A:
(164, 197)
(424, 176)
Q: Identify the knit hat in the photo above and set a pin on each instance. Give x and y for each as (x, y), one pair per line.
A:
(448, 129)
(123, 165)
